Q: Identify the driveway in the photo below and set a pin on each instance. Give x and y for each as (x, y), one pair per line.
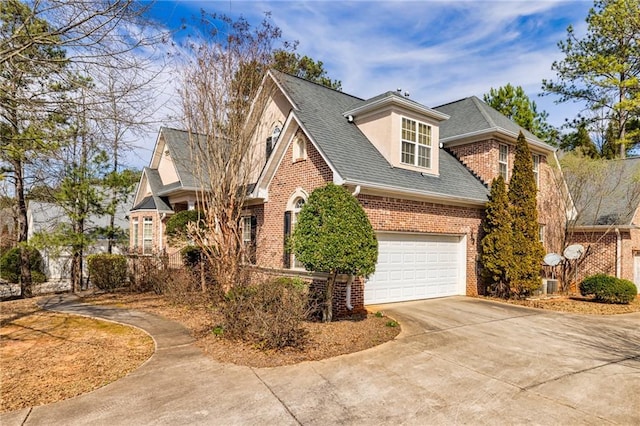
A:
(457, 361)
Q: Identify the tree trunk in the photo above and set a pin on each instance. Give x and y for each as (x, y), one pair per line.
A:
(327, 311)
(23, 230)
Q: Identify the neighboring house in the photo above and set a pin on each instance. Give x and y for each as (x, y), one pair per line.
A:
(421, 175)
(46, 217)
(608, 223)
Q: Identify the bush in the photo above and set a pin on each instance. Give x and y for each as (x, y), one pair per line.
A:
(608, 289)
(269, 314)
(191, 255)
(107, 271)
(10, 265)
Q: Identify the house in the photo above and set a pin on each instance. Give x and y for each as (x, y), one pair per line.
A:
(45, 217)
(608, 222)
(421, 175)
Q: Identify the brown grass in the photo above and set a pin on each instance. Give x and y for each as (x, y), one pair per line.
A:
(46, 357)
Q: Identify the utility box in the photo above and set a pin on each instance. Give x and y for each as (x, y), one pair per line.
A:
(549, 286)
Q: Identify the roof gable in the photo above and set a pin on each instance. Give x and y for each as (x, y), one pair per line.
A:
(471, 116)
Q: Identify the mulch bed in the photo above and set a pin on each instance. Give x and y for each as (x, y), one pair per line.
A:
(576, 304)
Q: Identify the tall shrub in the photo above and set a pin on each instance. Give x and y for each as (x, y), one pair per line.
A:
(496, 248)
(108, 271)
(334, 235)
(10, 265)
(528, 251)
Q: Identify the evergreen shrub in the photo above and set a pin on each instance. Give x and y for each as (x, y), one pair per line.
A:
(10, 265)
(608, 289)
(108, 271)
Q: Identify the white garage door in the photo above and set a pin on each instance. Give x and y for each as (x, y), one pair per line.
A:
(417, 266)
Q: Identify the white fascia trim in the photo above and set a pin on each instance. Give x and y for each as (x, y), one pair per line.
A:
(391, 100)
(155, 149)
(143, 175)
(431, 196)
(492, 131)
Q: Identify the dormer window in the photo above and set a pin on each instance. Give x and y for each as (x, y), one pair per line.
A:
(299, 149)
(416, 143)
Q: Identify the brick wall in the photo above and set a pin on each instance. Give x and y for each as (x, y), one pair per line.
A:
(482, 159)
(394, 214)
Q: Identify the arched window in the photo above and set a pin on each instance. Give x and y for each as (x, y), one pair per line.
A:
(294, 206)
(299, 148)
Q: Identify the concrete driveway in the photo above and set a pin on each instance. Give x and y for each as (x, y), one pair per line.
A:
(457, 361)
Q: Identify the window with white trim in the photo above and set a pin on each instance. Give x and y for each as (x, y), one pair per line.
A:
(536, 168)
(147, 235)
(297, 206)
(416, 143)
(541, 233)
(135, 232)
(503, 161)
(246, 230)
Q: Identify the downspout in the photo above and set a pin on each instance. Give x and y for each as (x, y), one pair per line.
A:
(350, 280)
(618, 253)
(162, 216)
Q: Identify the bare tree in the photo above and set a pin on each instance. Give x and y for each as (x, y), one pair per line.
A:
(597, 196)
(222, 102)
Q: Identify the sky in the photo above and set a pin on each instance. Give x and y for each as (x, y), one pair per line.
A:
(438, 51)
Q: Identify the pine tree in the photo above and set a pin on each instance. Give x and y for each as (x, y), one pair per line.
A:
(496, 250)
(528, 252)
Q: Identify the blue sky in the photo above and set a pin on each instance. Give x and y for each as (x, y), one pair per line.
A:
(438, 51)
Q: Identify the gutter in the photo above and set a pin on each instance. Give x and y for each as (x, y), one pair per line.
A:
(426, 194)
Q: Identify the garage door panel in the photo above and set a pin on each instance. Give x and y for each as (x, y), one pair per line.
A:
(416, 266)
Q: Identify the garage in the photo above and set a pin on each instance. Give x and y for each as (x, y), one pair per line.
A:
(417, 266)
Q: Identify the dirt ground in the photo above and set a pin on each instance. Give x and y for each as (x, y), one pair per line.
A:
(576, 305)
(46, 357)
(325, 340)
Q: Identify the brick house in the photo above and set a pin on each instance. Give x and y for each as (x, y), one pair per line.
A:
(607, 223)
(420, 173)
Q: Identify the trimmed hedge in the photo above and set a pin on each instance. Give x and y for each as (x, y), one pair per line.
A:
(10, 265)
(107, 271)
(606, 288)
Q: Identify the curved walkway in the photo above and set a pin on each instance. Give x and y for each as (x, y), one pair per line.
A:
(457, 360)
(177, 385)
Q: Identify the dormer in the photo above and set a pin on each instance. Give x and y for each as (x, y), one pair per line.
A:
(405, 132)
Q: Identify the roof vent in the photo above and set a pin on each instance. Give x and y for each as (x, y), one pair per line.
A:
(399, 90)
(406, 94)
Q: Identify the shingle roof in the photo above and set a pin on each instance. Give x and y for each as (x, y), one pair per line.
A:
(616, 201)
(154, 201)
(177, 142)
(320, 111)
(471, 115)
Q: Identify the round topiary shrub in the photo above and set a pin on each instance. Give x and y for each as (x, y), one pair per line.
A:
(107, 271)
(10, 265)
(606, 288)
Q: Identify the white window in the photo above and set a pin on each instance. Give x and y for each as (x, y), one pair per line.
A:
(503, 161)
(297, 206)
(416, 143)
(135, 232)
(299, 148)
(536, 168)
(541, 233)
(147, 235)
(246, 229)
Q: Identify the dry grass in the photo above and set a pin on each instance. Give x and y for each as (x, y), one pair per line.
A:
(577, 305)
(47, 357)
(325, 340)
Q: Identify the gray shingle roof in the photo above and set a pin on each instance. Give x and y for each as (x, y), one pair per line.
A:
(177, 142)
(471, 115)
(320, 110)
(154, 201)
(616, 202)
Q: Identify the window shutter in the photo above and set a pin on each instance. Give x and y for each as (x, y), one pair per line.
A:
(286, 261)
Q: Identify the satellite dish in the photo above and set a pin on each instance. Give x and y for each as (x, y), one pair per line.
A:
(574, 251)
(552, 259)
